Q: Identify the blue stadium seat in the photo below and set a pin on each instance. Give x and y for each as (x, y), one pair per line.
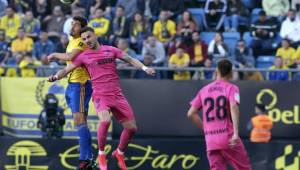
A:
(254, 14)
(198, 14)
(247, 37)
(231, 38)
(265, 61)
(207, 36)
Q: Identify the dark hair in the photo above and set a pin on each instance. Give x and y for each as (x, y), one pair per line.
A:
(262, 13)
(87, 29)
(82, 20)
(121, 6)
(224, 67)
(287, 40)
(261, 107)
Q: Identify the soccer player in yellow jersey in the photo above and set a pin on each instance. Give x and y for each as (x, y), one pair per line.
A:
(78, 92)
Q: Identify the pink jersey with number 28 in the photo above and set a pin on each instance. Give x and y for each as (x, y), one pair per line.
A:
(214, 99)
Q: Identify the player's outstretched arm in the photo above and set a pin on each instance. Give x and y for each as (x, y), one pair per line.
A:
(136, 63)
(62, 73)
(194, 117)
(64, 56)
(235, 115)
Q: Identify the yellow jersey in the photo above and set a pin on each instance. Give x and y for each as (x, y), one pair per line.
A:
(100, 26)
(180, 61)
(80, 74)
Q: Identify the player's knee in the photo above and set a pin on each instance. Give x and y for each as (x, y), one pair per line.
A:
(105, 121)
(132, 129)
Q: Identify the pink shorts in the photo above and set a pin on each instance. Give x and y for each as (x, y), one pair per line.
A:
(117, 104)
(237, 157)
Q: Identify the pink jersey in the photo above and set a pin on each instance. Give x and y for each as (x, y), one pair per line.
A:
(102, 68)
(215, 99)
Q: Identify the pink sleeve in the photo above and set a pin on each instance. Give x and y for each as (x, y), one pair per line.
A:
(78, 60)
(118, 53)
(234, 95)
(196, 102)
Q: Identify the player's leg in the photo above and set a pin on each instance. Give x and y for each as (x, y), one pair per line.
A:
(103, 127)
(124, 114)
(102, 107)
(237, 157)
(75, 99)
(87, 98)
(216, 160)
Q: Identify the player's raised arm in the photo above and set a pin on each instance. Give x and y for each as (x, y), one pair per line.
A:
(64, 56)
(194, 117)
(136, 63)
(62, 73)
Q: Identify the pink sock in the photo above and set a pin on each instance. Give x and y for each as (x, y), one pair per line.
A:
(102, 134)
(125, 138)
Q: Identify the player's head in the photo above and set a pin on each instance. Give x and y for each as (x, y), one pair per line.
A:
(89, 37)
(224, 69)
(77, 24)
(260, 108)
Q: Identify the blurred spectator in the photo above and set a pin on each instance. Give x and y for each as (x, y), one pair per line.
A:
(173, 7)
(296, 76)
(199, 48)
(217, 49)
(152, 47)
(61, 46)
(139, 30)
(22, 44)
(243, 55)
(86, 5)
(252, 75)
(187, 48)
(297, 55)
(4, 47)
(150, 8)
(41, 9)
(10, 23)
(295, 4)
(100, 25)
(43, 47)
(180, 60)
(236, 15)
(21, 5)
(186, 27)
(55, 23)
(3, 5)
(139, 74)
(215, 14)
(130, 7)
(290, 28)
(286, 52)
(282, 75)
(25, 65)
(31, 25)
(277, 9)
(124, 46)
(67, 25)
(208, 74)
(120, 27)
(102, 4)
(263, 32)
(164, 29)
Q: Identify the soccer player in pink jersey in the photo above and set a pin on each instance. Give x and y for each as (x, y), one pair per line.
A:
(219, 102)
(99, 60)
